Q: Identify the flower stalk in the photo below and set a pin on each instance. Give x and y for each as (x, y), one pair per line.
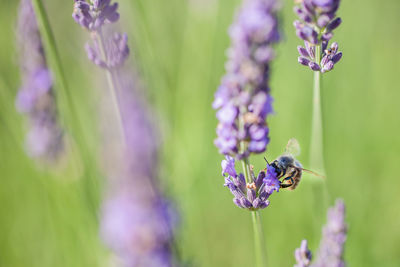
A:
(112, 84)
(259, 242)
(316, 149)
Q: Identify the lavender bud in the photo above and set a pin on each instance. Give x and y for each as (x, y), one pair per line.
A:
(334, 47)
(246, 203)
(323, 20)
(336, 58)
(327, 67)
(260, 179)
(303, 255)
(325, 60)
(302, 51)
(310, 49)
(327, 36)
(334, 24)
(303, 61)
(238, 203)
(251, 195)
(298, 25)
(314, 66)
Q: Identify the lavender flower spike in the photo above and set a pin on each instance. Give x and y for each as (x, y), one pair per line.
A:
(253, 195)
(137, 223)
(36, 97)
(303, 255)
(331, 247)
(317, 22)
(117, 51)
(242, 100)
(334, 236)
(94, 14)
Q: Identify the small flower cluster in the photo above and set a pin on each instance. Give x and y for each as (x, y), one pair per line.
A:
(253, 195)
(117, 52)
(94, 14)
(331, 247)
(242, 100)
(317, 22)
(334, 234)
(303, 255)
(36, 97)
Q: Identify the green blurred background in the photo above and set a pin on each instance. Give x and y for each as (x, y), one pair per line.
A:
(49, 217)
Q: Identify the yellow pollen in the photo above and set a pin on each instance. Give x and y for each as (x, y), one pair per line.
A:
(251, 186)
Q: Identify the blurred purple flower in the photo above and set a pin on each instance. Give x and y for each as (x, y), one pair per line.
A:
(331, 248)
(303, 255)
(117, 51)
(137, 223)
(317, 22)
(94, 14)
(36, 97)
(242, 100)
(137, 231)
(334, 234)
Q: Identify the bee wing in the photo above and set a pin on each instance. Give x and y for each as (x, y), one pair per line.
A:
(293, 147)
(313, 173)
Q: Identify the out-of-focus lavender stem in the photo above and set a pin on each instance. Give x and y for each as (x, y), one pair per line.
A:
(112, 84)
(52, 51)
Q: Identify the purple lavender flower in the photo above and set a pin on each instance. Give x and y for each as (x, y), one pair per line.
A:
(331, 247)
(94, 14)
(334, 234)
(137, 223)
(242, 100)
(117, 51)
(36, 97)
(317, 22)
(253, 195)
(137, 231)
(303, 255)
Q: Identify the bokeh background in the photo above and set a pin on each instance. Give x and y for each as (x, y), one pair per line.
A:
(49, 217)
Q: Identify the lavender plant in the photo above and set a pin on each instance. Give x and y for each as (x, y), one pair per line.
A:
(316, 25)
(331, 248)
(137, 223)
(317, 22)
(303, 255)
(243, 103)
(36, 97)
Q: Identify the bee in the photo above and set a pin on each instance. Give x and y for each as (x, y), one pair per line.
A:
(288, 168)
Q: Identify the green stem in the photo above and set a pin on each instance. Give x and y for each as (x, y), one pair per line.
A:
(53, 54)
(257, 225)
(316, 150)
(54, 61)
(320, 191)
(112, 85)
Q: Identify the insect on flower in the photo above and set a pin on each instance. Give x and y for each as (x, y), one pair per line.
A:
(288, 168)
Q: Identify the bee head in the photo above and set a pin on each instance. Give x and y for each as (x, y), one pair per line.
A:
(285, 161)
